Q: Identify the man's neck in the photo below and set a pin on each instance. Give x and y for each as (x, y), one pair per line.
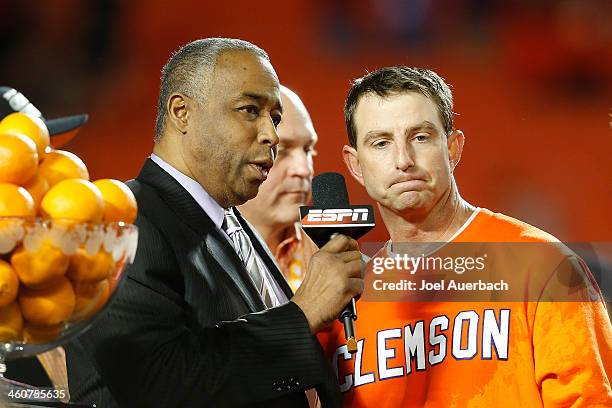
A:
(273, 234)
(438, 225)
(162, 150)
(274, 237)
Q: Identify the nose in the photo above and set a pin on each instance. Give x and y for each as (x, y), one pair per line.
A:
(301, 164)
(267, 133)
(404, 156)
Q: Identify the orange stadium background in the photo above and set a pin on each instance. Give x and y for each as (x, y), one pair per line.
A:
(532, 83)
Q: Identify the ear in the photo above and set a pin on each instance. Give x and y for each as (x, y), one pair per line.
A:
(349, 154)
(177, 112)
(455, 143)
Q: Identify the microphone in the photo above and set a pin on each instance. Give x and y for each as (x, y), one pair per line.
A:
(331, 214)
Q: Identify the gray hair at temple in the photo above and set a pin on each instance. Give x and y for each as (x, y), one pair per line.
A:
(188, 71)
(395, 80)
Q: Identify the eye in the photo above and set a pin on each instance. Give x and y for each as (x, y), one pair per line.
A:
(422, 137)
(276, 119)
(250, 109)
(379, 144)
(311, 151)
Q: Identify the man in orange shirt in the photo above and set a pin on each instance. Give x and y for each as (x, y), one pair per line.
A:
(536, 334)
(275, 211)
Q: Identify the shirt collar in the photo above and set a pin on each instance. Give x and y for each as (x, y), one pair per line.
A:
(292, 234)
(199, 194)
(466, 224)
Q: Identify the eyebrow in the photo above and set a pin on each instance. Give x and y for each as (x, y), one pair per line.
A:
(425, 125)
(260, 98)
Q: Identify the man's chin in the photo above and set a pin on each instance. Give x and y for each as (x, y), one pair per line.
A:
(409, 202)
(294, 199)
(287, 215)
(249, 192)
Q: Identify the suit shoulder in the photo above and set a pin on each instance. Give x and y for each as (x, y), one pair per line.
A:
(142, 192)
(151, 238)
(153, 212)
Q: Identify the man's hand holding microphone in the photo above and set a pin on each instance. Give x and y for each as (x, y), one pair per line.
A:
(333, 278)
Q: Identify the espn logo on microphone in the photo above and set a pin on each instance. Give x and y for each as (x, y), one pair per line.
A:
(333, 215)
(353, 215)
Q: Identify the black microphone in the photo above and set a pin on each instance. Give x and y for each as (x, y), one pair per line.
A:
(331, 214)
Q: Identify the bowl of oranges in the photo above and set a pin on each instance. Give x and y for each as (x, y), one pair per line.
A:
(64, 239)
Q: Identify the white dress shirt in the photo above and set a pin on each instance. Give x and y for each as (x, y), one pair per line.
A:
(216, 214)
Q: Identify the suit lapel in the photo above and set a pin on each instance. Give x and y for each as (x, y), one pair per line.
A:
(218, 247)
(186, 208)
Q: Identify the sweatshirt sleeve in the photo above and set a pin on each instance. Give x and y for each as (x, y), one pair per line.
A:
(572, 340)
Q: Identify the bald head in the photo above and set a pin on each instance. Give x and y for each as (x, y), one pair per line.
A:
(295, 115)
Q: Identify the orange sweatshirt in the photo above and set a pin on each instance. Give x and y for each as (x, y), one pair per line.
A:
(509, 352)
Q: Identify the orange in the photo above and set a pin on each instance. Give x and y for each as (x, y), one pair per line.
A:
(30, 126)
(33, 334)
(16, 201)
(119, 202)
(90, 268)
(18, 158)
(59, 165)
(11, 322)
(90, 298)
(49, 306)
(36, 269)
(37, 186)
(73, 199)
(9, 283)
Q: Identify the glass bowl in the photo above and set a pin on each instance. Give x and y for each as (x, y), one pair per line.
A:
(67, 271)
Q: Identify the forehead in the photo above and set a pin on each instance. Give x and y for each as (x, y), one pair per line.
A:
(406, 109)
(243, 73)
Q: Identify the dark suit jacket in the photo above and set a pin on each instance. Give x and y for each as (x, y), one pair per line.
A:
(187, 327)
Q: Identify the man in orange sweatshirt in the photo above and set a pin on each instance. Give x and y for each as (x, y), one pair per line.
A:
(525, 327)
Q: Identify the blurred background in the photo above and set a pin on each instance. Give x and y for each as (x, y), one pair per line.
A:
(532, 82)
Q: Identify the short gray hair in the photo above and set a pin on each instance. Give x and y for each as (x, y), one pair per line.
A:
(187, 71)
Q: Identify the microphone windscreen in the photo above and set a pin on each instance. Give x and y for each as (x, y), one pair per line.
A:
(329, 191)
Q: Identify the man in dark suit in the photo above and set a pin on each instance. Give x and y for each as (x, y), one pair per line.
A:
(196, 323)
